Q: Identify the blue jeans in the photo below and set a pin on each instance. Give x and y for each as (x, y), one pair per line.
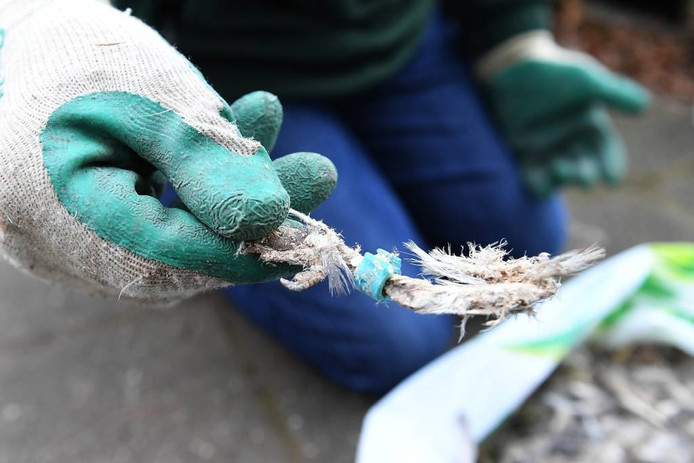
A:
(418, 159)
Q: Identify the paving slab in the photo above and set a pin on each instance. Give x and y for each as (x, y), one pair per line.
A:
(656, 200)
(659, 137)
(88, 380)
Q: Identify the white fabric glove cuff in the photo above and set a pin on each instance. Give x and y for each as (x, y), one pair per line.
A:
(535, 45)
(13, 12)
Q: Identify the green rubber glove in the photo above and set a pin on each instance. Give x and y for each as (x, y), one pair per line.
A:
(308, 177)
(97, 112)
(551, 104)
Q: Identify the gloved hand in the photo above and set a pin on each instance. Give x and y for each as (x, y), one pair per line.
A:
(551, 103)
(97, 112)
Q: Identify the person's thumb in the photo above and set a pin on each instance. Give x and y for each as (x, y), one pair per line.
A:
(617, 91)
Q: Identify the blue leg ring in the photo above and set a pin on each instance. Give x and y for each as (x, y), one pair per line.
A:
(374, 271)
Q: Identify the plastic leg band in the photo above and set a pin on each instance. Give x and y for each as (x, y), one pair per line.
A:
(374, 271)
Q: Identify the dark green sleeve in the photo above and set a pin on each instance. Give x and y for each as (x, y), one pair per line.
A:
(486, 23)
(154, 12)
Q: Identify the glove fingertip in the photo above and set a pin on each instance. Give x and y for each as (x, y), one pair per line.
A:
(613, 173)
(626, 95)
(538, 182)
(613, 158)
(309, 178)
(259, 115)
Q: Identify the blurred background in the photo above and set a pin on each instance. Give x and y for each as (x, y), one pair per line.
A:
(83, 380)
(649, 41)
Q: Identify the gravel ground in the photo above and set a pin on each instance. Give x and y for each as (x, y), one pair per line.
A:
(635, 405)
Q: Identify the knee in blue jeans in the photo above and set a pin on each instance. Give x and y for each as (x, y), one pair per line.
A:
(530, 227)
(361, 345)
(539, 227)
(393, 355)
